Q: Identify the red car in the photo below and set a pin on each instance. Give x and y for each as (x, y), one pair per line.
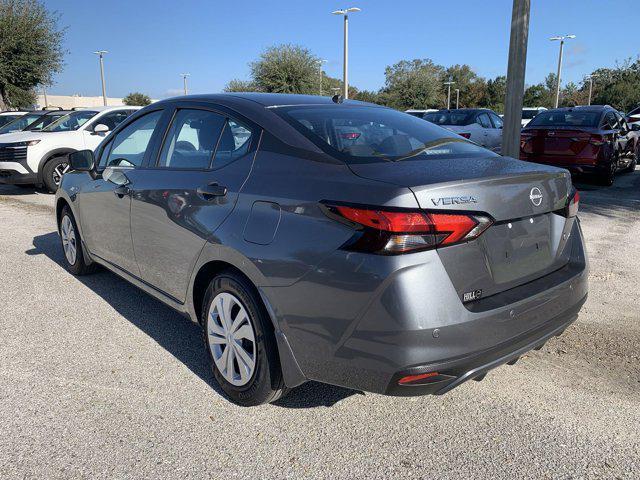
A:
(595, 140)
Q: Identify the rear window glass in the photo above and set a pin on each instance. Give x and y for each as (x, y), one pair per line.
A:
(566, 118)
(450, 118)
(529, 114)
(373, 134)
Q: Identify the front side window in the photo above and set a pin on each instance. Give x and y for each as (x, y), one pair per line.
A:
(112, 119)
(71, 121)
(375, 134)
(483, 120)
(130, 145)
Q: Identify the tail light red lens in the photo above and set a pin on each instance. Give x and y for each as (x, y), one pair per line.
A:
(391, 232)
(350, 135)
(597, 140)
(574, 204)
(465, 135)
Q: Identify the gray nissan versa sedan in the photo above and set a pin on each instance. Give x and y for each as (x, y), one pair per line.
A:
(315, 239)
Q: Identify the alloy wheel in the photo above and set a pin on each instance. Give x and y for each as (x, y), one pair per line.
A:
(231, 339)
(68, 234)
(58, 171)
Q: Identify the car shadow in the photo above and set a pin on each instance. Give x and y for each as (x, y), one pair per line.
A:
(623, 197)
(20, 190)
(177, 334)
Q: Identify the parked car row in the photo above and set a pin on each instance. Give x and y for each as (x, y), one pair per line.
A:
(35, 145)
(328, 240)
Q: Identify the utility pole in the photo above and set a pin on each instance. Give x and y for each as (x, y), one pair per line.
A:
(590, 78)
(46, 101)
(345, 62)
(457, 98)
(558, 76)
(101, 54)
(320, 62)
(515, 78)
(448, 84)
(184, 82)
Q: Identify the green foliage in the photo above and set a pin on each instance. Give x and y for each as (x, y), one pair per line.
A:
(286, 69)
(367, 96)
(413, 84)
(137, 99)
(618, 87)
(30, 50)
(241, 86)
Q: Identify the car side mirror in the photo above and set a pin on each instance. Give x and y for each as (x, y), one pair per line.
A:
(100, 129)
(82, 161)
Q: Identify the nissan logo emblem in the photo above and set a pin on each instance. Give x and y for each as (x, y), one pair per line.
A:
(535, 196)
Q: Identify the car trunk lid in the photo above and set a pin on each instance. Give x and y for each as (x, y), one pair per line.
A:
(555, 141)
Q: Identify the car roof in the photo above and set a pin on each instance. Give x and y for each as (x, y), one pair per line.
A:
(583, 108)
(467, 110)
(268, 100)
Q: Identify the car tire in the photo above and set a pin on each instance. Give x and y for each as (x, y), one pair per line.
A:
(632, 167)
(607, 177)
(236, 324)
(73, 255)
(52, 172)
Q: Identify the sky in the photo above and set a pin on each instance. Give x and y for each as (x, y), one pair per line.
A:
(151, 42)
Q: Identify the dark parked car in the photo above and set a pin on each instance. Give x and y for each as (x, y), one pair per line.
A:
(480, 125)
(595, 140)
(346, 243)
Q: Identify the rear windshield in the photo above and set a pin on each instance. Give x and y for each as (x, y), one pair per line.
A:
(373, 134)
(566, 118)
(529, 114)
(450, 118)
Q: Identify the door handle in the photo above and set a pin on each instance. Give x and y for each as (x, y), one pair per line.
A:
(122, 191)
(212, 190)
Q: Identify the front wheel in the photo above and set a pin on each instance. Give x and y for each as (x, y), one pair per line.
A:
(634, 162)
(74, 259)
(240, 342)
(53, 171)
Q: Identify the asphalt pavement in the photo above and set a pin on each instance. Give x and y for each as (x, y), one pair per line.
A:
(99, 380)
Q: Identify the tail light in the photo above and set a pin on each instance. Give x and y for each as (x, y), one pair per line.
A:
(350, 135)
(466, 135)
(573, 204)
(390, 232)
(597, 140)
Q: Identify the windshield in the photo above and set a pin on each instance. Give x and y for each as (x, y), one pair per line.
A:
(565, 118)
(450, 118)
(43, 121)
(529, 114)
(20, 123)
(373, 134)
(72, 121)
(4, 119)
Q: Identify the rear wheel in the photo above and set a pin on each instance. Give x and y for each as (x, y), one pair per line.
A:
(607, 177)
(53, 171)
(240, 342)
(74, 258)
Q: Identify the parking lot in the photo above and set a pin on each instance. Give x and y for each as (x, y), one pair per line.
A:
(98, 379)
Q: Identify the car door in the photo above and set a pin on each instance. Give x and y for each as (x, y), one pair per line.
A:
(484, 132)
(105, 203)
(187, 192)
(496, 132)
(111, 119)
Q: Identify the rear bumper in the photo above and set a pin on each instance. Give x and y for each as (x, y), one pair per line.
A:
(576, 166)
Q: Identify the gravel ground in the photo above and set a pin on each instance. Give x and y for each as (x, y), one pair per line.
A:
(99, 380)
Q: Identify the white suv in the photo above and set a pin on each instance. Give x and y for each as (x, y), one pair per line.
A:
(40, 158)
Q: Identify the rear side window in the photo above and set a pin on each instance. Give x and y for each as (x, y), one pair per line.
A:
(565, 118)
(450, 118)
(497, 121)
(372, 134)
(130, 144)
(200, 139)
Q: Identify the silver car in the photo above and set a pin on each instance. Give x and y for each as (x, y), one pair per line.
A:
(480, 125)
(341, 242)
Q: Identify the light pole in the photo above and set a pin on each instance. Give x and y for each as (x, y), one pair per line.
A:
(590, 78)
(101, 54)
(345, 67)
(517, 63)
(457, 98)
(46, 101)
(448, 84)
(320, 62)
(184, 82)
(562, 39)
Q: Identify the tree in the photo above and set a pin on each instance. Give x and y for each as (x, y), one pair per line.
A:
(367, 96)
(618, 87)
(412, 84)
(241, 86)
(30, 50)
(286, 69)
(472, 87)
(137, 99)
(495, 94)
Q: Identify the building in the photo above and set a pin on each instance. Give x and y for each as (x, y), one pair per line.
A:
(67, 102)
